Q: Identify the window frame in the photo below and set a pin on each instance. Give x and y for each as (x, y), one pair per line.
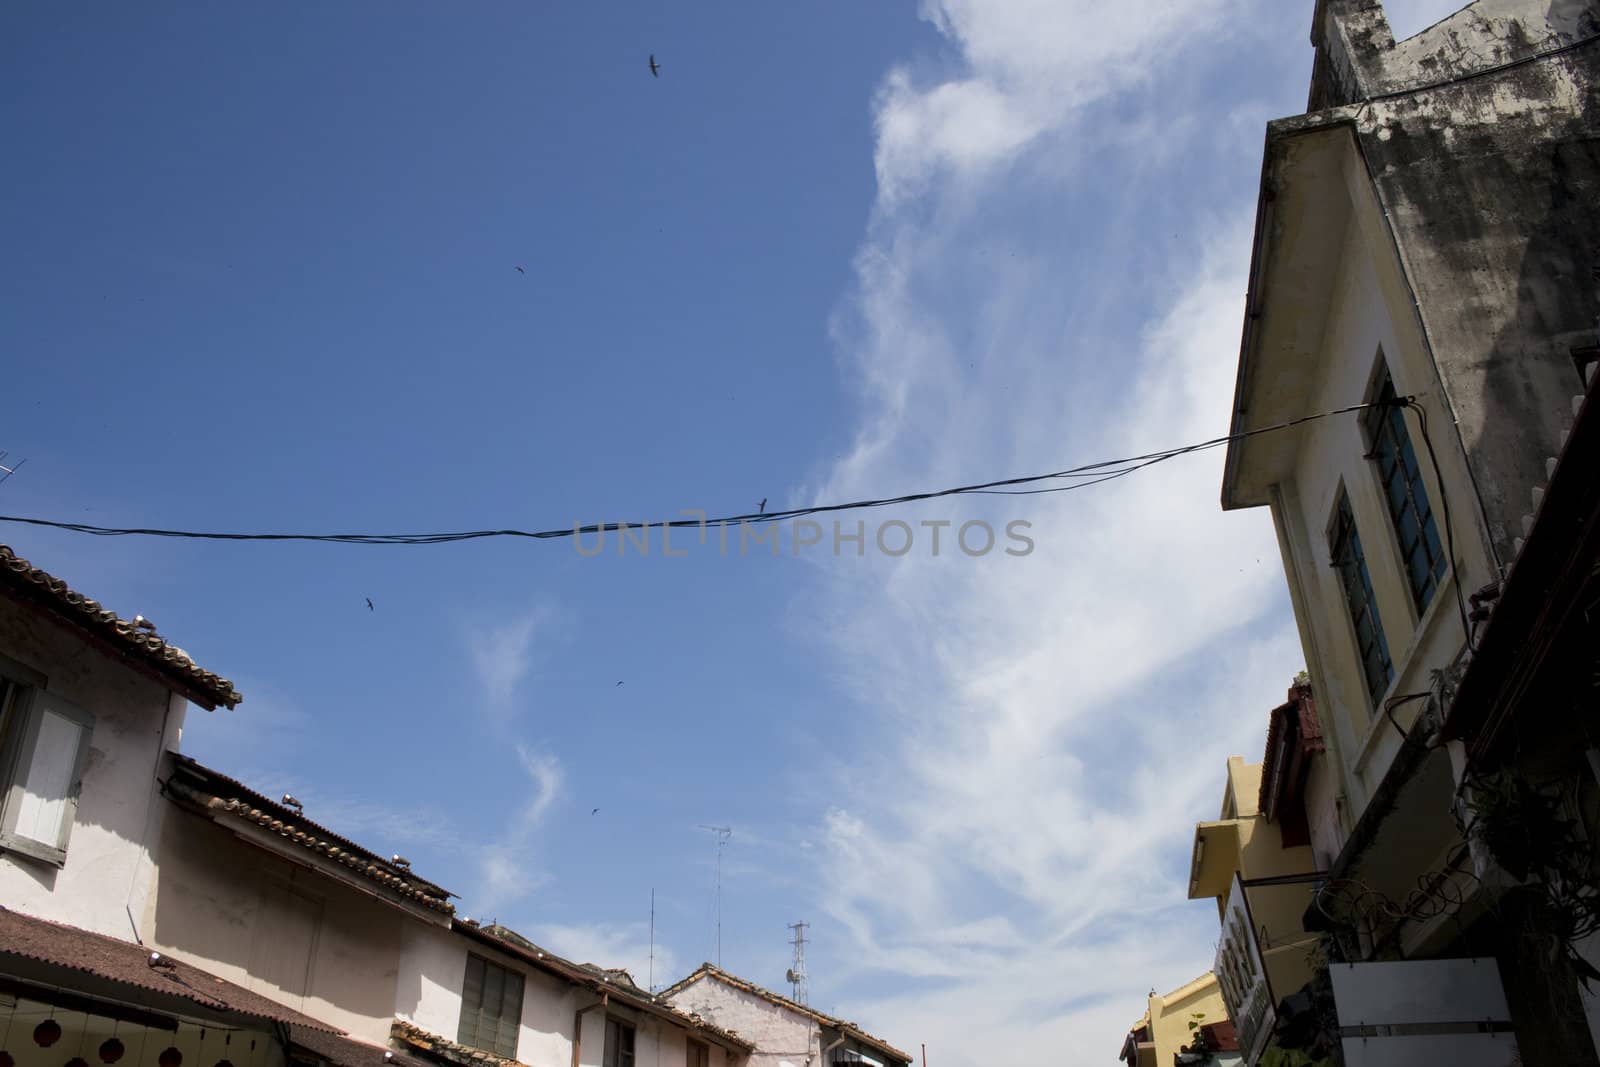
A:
(1342, 521)
(612, 1056)
(1387, 426)
(496, 1047)
(696, 1053)
(27, 699)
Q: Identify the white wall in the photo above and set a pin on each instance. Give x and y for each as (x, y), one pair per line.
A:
(135, 720)
(275, 927)
(781, 1036)
(1370, 311)
(433, 962)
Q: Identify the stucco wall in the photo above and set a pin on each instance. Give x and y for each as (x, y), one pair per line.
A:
(251, 917)
(135, 719)
(1171, 1013)
(783, 1038)
(433, 962)
(1370, 313)
(1492, 186)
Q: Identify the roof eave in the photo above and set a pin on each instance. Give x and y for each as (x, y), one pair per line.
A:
(1279, 132)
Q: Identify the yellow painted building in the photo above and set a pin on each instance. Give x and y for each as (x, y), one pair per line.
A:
(1164, 1027)
(1248, 843)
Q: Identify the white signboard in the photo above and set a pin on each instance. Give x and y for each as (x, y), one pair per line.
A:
(1243, 977)
(1423, 1012)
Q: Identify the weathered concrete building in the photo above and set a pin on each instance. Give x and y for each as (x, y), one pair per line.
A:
(785, 1033)
(156, 908)
(1425, 252)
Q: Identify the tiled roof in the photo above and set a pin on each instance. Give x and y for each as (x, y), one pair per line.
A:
(347, 1051)
(1292, 722)
(69, 947)
(710, 970)
(23, 580)
(614, 983)
(222, 798)
(414, 1036)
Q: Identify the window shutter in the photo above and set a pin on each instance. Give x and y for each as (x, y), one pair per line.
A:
(42, 801)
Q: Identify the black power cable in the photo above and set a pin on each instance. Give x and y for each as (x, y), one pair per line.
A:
(1088, 474)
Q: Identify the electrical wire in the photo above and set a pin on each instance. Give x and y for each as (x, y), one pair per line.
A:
(1091, 473)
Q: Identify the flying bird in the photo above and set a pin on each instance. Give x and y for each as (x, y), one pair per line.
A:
(369, 605)
(619, 683)
(596, 811)
(521, 271)
(762, 510)
(655, 68)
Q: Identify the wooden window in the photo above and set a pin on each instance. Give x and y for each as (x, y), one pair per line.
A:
(619, 1044)
(491, 1007)
(1372, 647)
(698, 1055)
(1422, 557)
(44, 741)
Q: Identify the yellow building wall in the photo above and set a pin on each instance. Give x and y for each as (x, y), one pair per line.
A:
(1170, 1015)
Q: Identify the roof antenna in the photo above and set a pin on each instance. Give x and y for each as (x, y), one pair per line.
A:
(723, 833)
(5, 471)
(652, 941)
(796, 975)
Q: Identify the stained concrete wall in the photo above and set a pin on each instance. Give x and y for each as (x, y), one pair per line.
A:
(106, 875)
(783, 1038)
(1492, 187)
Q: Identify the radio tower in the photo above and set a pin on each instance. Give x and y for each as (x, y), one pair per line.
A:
(797, 973)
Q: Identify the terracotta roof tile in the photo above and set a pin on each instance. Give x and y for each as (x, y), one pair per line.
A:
(222, 798)
(348, 1052)
(414, 1036)
(80, 950)
(23, 580)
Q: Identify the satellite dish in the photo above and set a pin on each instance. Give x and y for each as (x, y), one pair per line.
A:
(790, 977)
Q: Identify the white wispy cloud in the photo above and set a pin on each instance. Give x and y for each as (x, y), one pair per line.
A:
(545, 776)
(1061, 719)
(502, 654)
(624, 945)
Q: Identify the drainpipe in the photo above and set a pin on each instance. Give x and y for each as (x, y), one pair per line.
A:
(823, 1055)
(577, 1024)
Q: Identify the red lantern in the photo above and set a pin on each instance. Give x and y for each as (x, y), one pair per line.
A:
(77, 1061)
(170, 1057)
(224, 1063)
(7, 1060)
(111, 1050)
(47, 1033)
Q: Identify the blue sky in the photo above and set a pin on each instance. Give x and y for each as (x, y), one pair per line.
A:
(261, 275)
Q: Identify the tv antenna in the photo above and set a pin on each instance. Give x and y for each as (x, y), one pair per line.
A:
(796, 975)
(723, 833)
(652, 941)
(5, 471)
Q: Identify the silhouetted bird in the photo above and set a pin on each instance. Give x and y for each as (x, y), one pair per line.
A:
(655, 68)
(369, 605)
(521, 271)
(763, 508)
(596, 811)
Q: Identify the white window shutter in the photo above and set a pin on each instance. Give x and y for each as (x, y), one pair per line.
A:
(41, 804)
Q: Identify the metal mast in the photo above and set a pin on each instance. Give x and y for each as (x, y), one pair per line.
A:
(723, 833)
(797, 973)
